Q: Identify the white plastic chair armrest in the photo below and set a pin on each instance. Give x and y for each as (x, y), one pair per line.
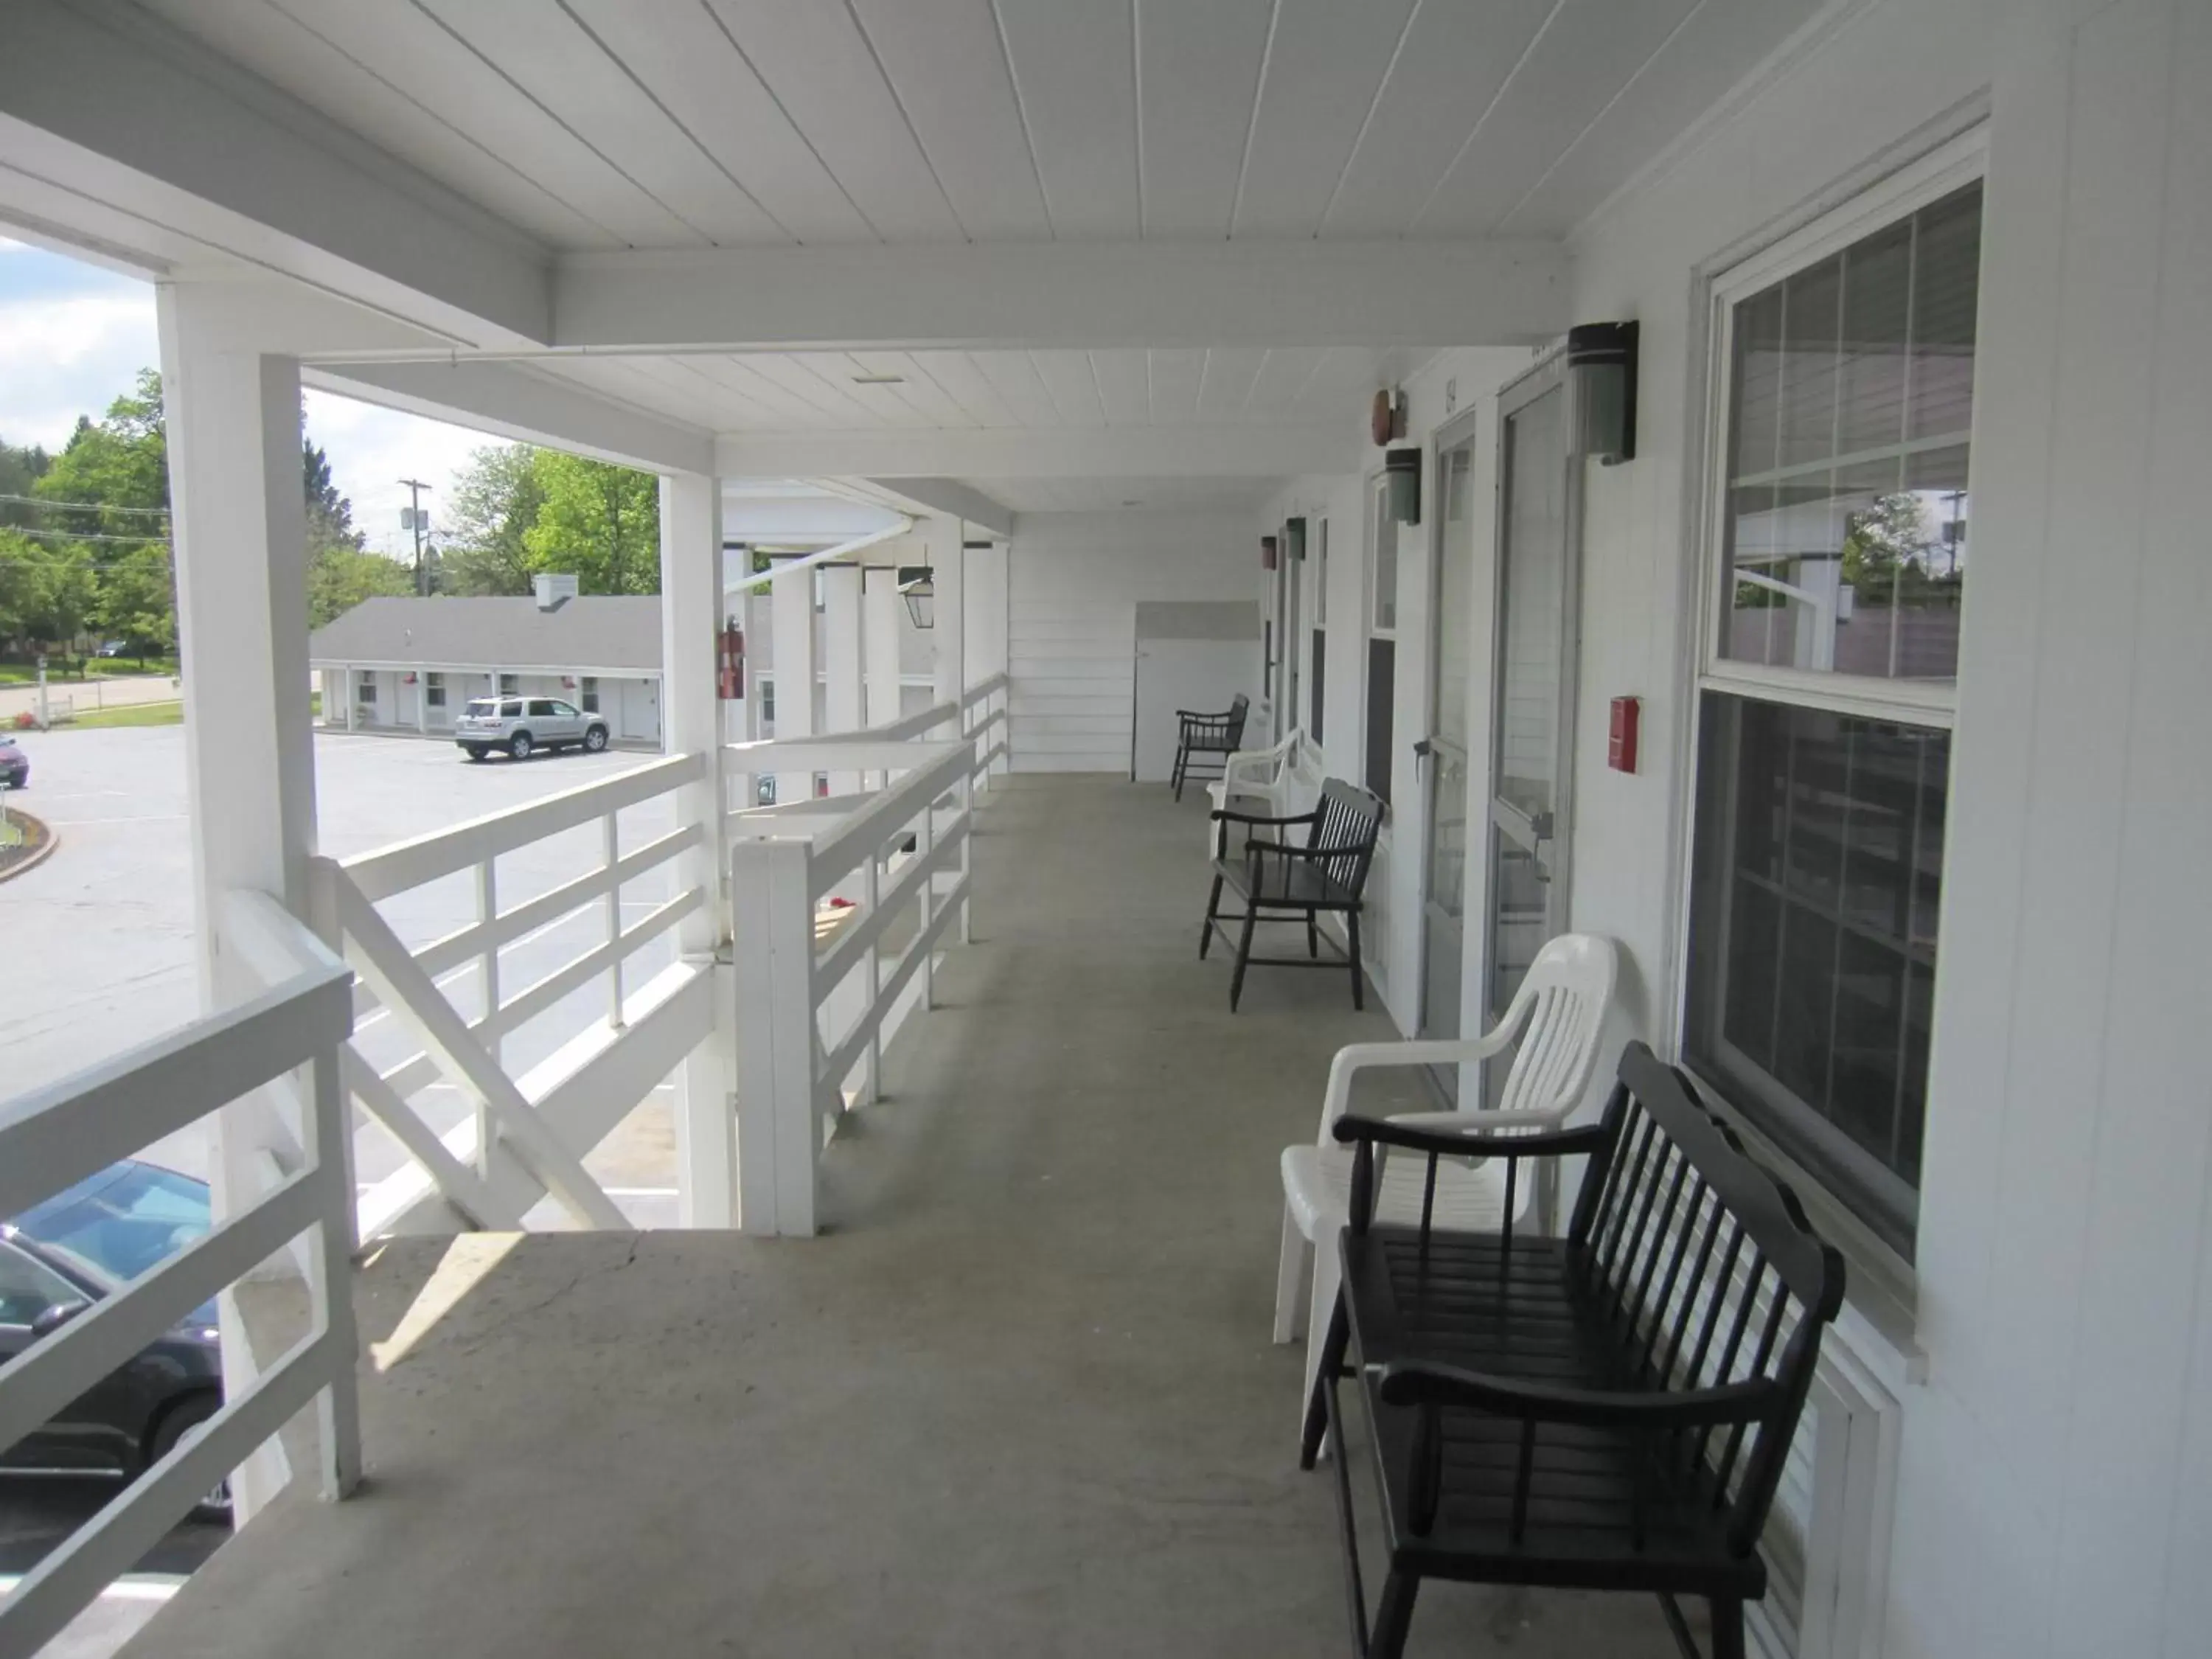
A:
(1367, 1057)
(1477, 1122)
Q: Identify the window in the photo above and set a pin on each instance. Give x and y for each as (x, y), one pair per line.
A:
(510, 682)
(768, 699)
(124, 1221)
(27, 1288)
(434, 690)
(590, 693)
(541, 706)
(1382, 649)
(1823, 747)
(567, 711)
(1320, 631)
(364, 688)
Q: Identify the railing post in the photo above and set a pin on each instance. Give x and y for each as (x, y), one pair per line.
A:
(611, 843)
(779, 1140)
(330, 1277)
(487, 980)
(871, 886)
(923, 847)
(965, 795)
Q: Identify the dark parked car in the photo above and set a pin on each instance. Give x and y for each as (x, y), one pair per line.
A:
(61, 1257)
(14, 766)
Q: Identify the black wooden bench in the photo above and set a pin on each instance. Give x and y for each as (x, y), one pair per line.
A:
(1606, 1410)
(1280, 882)
(1204, 736)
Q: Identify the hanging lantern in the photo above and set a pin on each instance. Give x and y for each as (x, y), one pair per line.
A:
(1401, 475)
(1266, 552)
(918, 587)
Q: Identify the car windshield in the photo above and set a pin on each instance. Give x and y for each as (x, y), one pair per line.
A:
(117, 1224)
(483, 707)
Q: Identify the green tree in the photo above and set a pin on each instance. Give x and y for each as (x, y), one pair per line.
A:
(47, 589)
(601, 521)
(494, 504)
(340, 577)
(21, 469)
(1887, 553)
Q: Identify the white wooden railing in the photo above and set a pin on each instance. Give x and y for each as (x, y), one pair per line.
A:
(57, 1136)
(819, 991)
(527, 1134)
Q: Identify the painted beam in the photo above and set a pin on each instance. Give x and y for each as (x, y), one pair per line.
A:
(512, 400)
(1377, 295)
(884, 457)
(951, 499)
(123, 112)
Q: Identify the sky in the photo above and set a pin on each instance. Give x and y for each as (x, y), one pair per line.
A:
(73, 338)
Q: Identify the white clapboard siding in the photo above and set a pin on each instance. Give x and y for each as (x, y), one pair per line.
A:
(1075, 581)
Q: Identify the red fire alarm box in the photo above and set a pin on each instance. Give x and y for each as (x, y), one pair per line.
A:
(732, 664)
(1621, 743)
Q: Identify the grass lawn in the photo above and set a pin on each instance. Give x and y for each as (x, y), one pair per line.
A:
(140, 713)
(95, 668)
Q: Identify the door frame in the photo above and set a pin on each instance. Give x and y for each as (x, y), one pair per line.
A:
(1465, 429)
(1547, 375)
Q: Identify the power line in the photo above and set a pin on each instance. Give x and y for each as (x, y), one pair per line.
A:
(86, 507)
(80, 535)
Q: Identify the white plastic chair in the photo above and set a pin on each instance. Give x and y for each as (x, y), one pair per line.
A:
(1255, 774)
(1562, 1004)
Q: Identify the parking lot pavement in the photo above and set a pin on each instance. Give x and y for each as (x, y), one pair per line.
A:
(96, 950)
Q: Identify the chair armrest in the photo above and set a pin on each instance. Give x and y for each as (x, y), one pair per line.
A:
(1224, 814)
(1553, 1143)
(1356, 1057)
(1475, 1122)
(1426, 1382)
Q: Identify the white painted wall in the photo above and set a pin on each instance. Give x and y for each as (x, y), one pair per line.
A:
(2054, 1489)
(1075, 582)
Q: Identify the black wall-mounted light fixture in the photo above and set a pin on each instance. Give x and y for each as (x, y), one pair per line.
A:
(917, 586)
(1401, 478)
(1602, 359)
(1267, 552)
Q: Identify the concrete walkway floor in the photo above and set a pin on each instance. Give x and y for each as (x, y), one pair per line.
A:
(1020, 1400)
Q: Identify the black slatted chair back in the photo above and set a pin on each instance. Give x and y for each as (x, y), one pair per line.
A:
(1709, 1273)
(1239, 706)
(1347, 821)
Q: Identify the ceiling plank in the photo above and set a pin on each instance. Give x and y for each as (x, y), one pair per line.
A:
(1325, 71)
(967, 385)
(1455, 60)
(948, 71)
(1248, 452)
(838, 371)
(818, 66)
(1125, 386)
(567, 72)
(1723, 41)
(1590, 51)
(1074, 389)
(1176, 379)
(407, 49)
(807, 386)
(692, 69)
(1198, 70)
(1229, 372)
(286, 52)
(1074, 69)
(917, 388)
(783, 409)
(1281, 378)
(1016, 379)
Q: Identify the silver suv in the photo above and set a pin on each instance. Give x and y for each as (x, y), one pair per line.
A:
(522, 726)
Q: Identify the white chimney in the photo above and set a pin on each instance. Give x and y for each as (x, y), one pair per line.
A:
(554, 591)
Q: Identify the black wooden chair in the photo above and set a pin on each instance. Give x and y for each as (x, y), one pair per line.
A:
(1611, 1410)
(1209, 738)
(1280, 882)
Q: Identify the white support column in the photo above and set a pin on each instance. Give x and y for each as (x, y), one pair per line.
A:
(421, 702)
(771, 1001)
(942, 539)
(844, 708)
(883, 623)
(791, 607)
(691, 723)
(351, 697)
(232, 414)
(984, 572)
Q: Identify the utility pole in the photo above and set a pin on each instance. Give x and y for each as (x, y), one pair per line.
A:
(414, 521)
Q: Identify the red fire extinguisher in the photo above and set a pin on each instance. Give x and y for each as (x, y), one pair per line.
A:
(732, 662)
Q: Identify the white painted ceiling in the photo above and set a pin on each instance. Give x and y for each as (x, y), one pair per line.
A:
(1127, 494)
(605, 123)
(842, 390)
